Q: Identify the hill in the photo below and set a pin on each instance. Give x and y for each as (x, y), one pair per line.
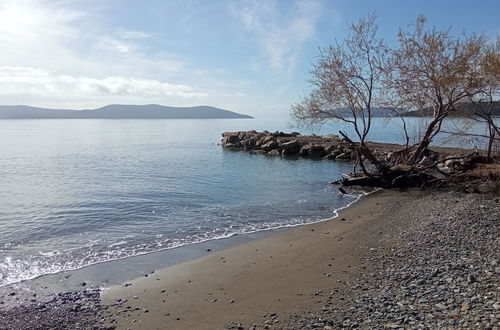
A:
(463, 110)
(119, 111)
(376, 112)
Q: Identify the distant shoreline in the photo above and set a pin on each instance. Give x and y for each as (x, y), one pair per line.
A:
(121, 111)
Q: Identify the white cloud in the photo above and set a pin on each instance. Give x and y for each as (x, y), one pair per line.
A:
(49, 84)
(281, 35)
(53, 54)
(130, 34)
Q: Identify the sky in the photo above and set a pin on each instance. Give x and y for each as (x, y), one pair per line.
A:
(249, 56)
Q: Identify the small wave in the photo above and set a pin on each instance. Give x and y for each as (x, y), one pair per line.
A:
(117, 244)
(49, 253)
(14, 271)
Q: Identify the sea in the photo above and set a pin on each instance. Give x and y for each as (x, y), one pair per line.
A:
(75, 193)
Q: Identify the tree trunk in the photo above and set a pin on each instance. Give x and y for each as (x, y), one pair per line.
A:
(491, 140)
(361, 163)
(425, 142)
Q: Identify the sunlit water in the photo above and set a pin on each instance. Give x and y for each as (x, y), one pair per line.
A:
(79, 192)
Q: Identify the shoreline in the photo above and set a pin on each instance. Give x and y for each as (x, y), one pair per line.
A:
(166, 257)
(380, 263)
(384, 262)
(232, 279)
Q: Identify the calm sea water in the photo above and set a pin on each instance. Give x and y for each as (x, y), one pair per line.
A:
(79, 192)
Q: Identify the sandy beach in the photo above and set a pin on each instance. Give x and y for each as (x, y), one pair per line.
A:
(413, 259)
(276, 275)
(383, 262)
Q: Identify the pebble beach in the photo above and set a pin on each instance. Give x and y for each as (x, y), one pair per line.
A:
(400, 260)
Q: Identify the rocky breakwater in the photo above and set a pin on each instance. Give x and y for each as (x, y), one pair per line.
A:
(292, 144)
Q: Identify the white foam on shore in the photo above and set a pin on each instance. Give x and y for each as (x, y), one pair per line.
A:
(15, 271)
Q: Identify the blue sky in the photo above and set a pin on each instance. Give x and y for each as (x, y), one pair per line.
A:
(247, 56)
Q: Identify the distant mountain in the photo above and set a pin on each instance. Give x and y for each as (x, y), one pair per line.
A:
(376, 112)
(463, 110)
(119, 111)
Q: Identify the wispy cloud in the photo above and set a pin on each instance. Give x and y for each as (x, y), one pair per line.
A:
(133, 35)
(50, 84)
(281, 34)
(50, 51)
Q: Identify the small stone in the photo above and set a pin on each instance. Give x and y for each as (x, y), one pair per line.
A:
(440, 306)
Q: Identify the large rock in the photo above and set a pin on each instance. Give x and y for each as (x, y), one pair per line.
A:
(312, 150)
(304, 151)
(344, 156)
(290, 148)
(270, 145)
(332, 137)
(316, 151)
(330, 148)
(230, 137)
(249, 142)
(242, 135)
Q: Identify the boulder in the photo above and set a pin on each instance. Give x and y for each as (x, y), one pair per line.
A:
(329, 149)
(270, 145)
(316, 151)
(344, 156)
(332, 137)
(249, 143)
(241, 135)
(268, 139)
(304, 151)
(290, 148)
(260, 141)
(231, 137)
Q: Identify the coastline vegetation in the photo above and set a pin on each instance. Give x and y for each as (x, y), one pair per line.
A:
(430, 73)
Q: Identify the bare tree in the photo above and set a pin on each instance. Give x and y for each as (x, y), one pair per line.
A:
(434, 72)
(346, 84)
(484, 102)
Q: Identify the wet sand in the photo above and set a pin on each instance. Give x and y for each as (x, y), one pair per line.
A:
(264, 279)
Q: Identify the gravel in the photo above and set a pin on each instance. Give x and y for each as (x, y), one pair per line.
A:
(435, 266)
(66, 310)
